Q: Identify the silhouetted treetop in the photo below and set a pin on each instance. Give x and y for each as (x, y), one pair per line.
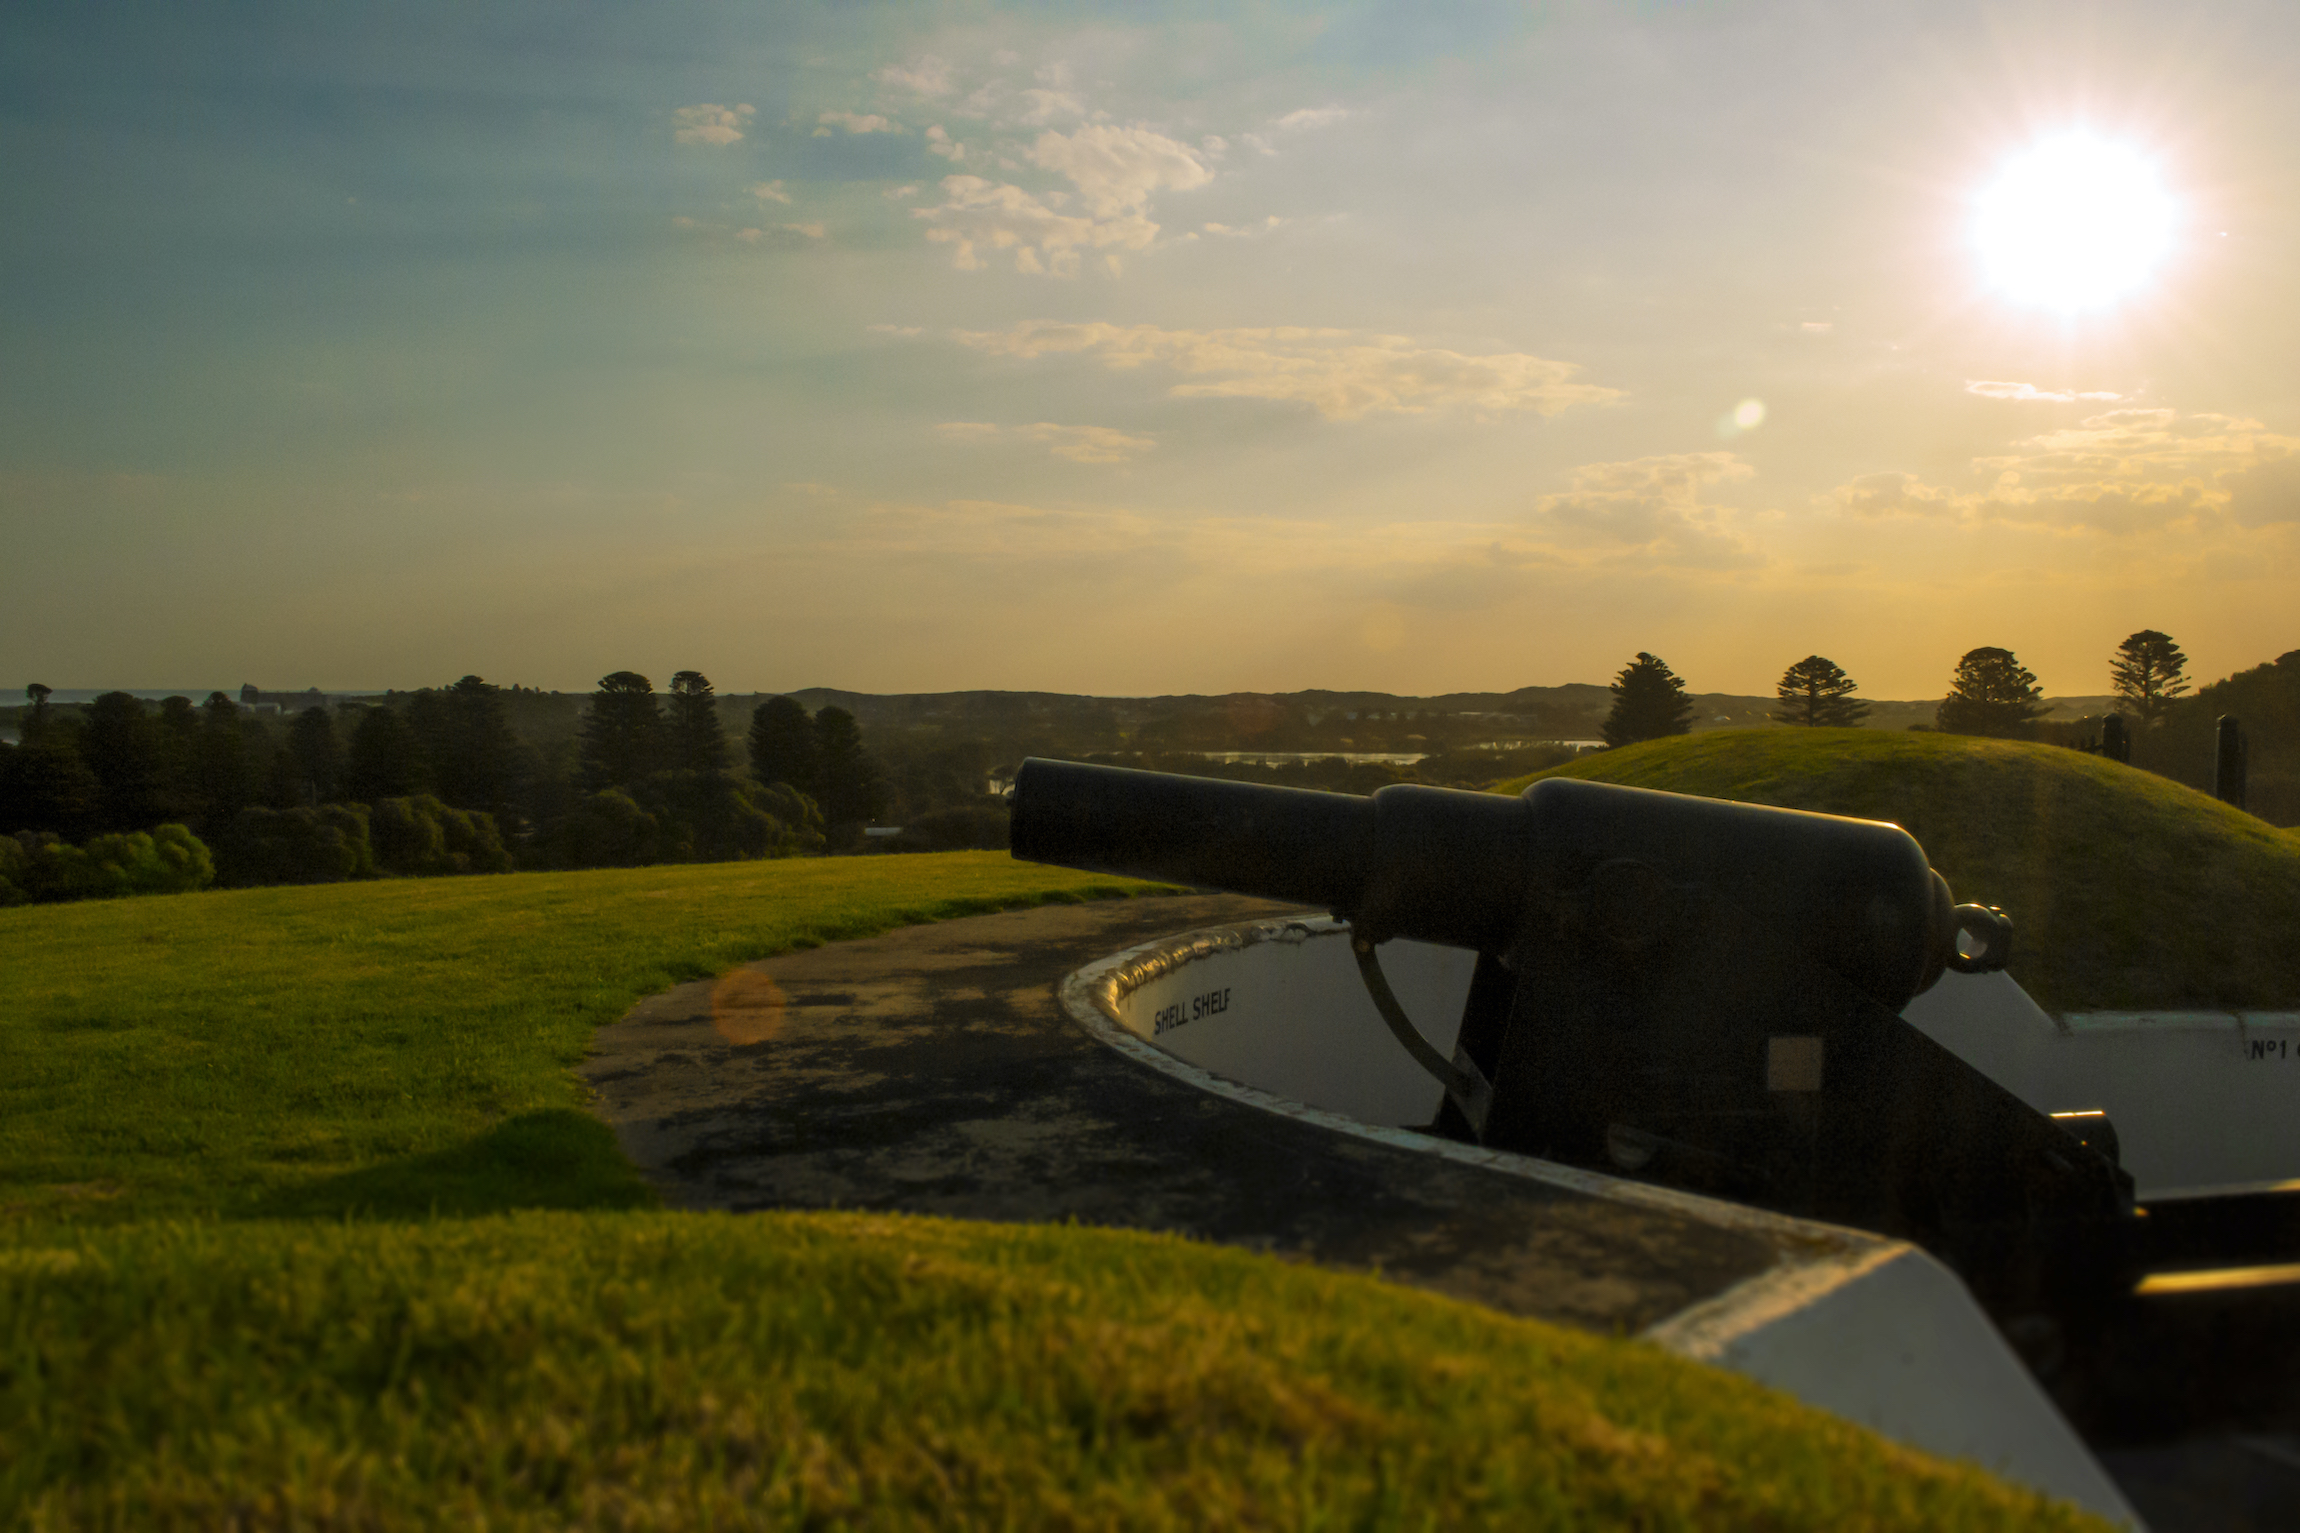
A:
(1816, 693)
(1649, 702)
(2147, 672)
(1992, 694)
(697, 742)
(782, 746)
(386, 760)
(853, 791)
(622, 733)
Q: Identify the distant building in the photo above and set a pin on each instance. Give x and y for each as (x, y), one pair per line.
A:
(249, 696)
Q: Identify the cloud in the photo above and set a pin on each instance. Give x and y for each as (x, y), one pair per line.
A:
(1312, 117)
(1342, 374)
(2123, 471)
(769, 191)
(1079, 444)
(2266, 493)
(1651, 509)
(1989, 389)
(1893, 494)
(900, 192)
(999, 533)
(927, 76)
(855, 122)
(1117, 169)
(1412, 566)
(1046, 105)
(938, 139)
(778, 234)
(708, 123)
(883, 329)
(1244, 231)
(1215, 146)
(976, 214)
(1821, 327)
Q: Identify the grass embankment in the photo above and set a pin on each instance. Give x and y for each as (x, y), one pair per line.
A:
(346, 1061)
(389, 1047)
(686, 1371)
(2126, 890)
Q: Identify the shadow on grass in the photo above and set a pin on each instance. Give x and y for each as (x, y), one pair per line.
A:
(556, 1159)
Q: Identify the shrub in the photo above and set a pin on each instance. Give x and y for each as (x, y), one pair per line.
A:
(608, 829)
(42, 867)
(730, 821)
(296, 846)
(421, 835)
(798, 819)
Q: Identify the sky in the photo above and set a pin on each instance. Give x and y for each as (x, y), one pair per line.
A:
(1140, 349)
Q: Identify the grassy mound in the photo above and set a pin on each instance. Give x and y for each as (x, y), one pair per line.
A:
(358, 1058)
(394, 1047)
(2126, 890)
(786, 1370)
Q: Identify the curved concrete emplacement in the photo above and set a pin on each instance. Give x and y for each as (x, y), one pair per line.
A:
(1275, 1015)
(968, 1069)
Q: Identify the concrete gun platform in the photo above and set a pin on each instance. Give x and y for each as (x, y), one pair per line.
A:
(961, 1070)
(932, 1070)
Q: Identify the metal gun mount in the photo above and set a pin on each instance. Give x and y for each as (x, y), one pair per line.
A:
(1689, 991)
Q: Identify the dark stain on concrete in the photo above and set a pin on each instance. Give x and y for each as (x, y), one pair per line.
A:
(932, 1071)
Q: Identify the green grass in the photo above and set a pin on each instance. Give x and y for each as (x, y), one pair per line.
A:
(390, 1047)
(304, 1229)
(806, 1370)
(2126, 889)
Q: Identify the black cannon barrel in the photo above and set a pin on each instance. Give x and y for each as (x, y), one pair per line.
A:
(1282, 843)
(1772, 887)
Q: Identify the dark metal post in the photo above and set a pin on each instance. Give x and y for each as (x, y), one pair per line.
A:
(2115, 744)
(2228, 761)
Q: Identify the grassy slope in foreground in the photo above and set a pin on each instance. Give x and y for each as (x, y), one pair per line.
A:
(389, 1047)
(2126, 889)
(651, 1370)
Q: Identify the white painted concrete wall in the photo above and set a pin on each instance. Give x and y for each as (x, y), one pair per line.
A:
(2201, 1101)
(1293, 1018)
(1890, 1339)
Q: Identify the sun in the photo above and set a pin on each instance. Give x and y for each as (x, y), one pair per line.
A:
(2074, 223)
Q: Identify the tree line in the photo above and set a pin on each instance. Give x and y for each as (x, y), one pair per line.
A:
(1990, 693)
(441, 783)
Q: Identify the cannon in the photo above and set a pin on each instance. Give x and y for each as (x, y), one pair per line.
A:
(1682, 990)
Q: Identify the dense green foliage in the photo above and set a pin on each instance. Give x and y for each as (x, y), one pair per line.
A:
(2126, 890)
(827, 1370)
(169, 860)
(852, 790)
(441, 784)
(782, 745)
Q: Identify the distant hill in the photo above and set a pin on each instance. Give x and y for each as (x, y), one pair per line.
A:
(2126, 890)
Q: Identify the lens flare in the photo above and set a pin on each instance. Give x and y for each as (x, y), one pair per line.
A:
(2074, 223)
(1748, 415)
